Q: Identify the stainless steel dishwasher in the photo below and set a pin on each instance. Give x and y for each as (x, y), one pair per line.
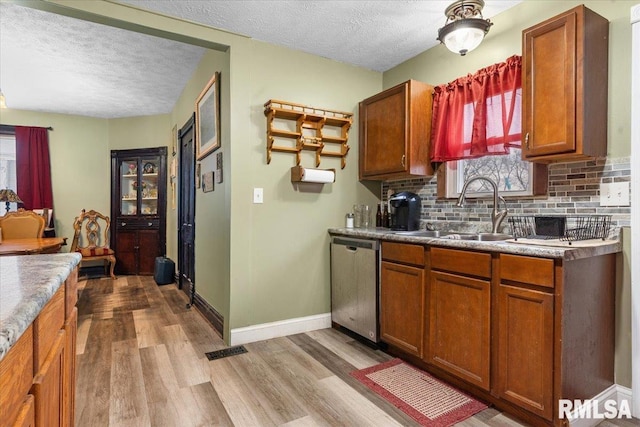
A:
(354, 285)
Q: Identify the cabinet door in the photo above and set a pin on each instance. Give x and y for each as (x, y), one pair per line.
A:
(549, 87)
(27, 413)
(383, 130)
(69, 377)
(525, 349)
(460, 326)
(48, 386)
(127, 251)
(149, 249)
(402, 307)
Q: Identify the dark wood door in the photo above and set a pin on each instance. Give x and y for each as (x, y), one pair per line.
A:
(127, 250)
(459, 321)
(525, 348)
(146, 260)
(401, 306)
(186, 210)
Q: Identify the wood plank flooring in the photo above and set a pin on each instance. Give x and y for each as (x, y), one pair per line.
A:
(141, 362)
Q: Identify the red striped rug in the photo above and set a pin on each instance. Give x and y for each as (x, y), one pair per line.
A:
(425, 399)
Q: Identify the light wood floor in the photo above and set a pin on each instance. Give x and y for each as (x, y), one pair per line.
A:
(141, 362)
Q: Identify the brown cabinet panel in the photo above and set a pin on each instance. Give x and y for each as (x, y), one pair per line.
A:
(46, 327)
(525, 349)
(16, 375)
(69, 377)
(127, 254)
(526, 269)
(401, 307)
(403, 253)
(564, 65)
(463, 262)
(48, 386)
(395, 132)
(459, 322)
(26, 414)
(148, 241)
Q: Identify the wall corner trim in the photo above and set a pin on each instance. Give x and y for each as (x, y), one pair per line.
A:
(615, 393)
(280, 328)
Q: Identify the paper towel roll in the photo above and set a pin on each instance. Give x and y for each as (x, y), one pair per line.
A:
(318, 175)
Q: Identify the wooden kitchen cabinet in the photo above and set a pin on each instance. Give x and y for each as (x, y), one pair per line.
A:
(525, 348)
(138, 208)
(37, 375)
(460, 314)
(564, 87)
(395, 132)
(402, 295)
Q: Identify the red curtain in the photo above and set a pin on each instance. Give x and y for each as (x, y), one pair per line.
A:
(33, 166)
(479, 114)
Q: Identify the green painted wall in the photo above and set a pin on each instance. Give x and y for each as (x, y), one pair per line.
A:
(80, 163)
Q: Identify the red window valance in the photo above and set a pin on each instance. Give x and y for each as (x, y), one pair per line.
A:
(479, 114)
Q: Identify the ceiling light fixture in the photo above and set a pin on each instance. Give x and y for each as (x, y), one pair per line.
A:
(465, 27)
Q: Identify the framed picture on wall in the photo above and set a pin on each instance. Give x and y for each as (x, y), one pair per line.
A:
(208, 119)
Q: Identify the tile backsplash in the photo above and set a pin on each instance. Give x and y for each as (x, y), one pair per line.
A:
(574, 188)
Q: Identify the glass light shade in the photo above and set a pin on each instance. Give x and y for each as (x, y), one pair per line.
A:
(464, 35)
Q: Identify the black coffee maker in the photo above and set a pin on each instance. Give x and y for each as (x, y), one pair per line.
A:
(406, 214)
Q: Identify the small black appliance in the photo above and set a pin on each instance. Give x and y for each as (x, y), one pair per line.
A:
(406, 211)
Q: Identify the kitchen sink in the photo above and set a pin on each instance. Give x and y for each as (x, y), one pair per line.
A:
(482, 237)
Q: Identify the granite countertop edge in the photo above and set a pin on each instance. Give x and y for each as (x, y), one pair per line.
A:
(40, 276)
(607, 247)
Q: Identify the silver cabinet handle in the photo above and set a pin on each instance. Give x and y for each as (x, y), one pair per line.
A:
(526, 140)
(402, 160)
(123, 224)
(150, 224)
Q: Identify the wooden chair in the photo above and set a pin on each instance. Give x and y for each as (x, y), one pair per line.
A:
(91, 238)
(22, 225)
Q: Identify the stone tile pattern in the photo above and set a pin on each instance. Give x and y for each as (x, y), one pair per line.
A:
(574, 189)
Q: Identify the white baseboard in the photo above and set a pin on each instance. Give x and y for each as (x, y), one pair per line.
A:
(615, 392)
(280, 328)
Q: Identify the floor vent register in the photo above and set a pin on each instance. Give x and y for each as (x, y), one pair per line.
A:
(226, 352)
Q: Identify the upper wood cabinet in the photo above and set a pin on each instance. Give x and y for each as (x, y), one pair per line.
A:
(564, 81)
(395, 132)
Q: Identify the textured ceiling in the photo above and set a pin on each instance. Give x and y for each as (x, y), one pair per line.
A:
(53, 63)
(59, 64)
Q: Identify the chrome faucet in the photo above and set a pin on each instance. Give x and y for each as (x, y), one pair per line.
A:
(496, 215)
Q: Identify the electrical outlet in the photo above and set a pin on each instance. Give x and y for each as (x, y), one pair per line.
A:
(258, 195)
(614, 194)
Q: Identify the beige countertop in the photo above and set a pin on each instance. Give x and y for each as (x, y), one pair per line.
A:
(543, 249)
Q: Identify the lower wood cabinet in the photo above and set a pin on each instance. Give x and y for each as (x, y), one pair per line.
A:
(525, 348)
(37, 375)
(137, 250)
(401, 306)
(48, 386)
(459, 326)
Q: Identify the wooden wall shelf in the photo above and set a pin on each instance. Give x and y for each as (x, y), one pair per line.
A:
(309, 134)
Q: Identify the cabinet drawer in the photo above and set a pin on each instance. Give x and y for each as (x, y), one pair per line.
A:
(46, 328)
(71, 292)
(16, 375)
(137, 223)
(524, 269)
(463, 262)
(403, 253)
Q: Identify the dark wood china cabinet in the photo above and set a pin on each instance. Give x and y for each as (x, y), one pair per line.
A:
(138, 208)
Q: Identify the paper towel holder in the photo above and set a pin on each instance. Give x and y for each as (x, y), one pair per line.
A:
(298, 175)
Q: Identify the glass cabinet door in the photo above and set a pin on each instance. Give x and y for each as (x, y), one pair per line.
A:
(148, 190)
(129, 187)
(139, 186)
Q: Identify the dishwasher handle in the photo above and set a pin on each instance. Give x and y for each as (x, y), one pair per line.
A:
(354, 244)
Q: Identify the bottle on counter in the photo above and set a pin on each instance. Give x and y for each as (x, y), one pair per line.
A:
(379, 216)
(386, 223)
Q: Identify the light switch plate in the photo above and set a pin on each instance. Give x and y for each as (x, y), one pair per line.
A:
(258, 195)
(614, 194)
